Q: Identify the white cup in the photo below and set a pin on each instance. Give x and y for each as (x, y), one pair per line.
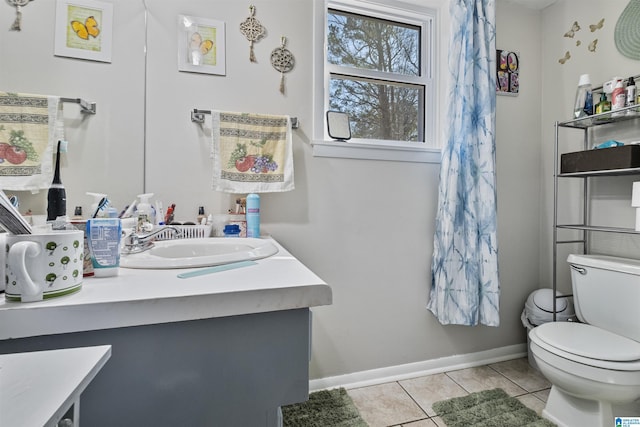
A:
(42, 266)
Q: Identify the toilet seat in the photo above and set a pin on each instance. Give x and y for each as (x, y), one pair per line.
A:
(588, 345)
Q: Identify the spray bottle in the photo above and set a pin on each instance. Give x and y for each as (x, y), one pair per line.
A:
(144, 213)
(253, 215)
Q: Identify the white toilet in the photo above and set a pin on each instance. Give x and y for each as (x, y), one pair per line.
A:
(594, 367)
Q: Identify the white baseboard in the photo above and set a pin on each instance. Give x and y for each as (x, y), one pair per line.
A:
(419, 369)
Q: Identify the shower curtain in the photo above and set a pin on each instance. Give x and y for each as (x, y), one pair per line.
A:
(464, 272)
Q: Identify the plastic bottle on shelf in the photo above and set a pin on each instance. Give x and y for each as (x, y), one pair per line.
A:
(584, 98)
(630, 93)
(618, 97)
(604, 105)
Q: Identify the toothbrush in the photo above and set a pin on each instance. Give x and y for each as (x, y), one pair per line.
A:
(104, 202)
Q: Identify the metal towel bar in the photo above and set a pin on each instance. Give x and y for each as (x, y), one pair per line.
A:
(85, 106)
(197, 116)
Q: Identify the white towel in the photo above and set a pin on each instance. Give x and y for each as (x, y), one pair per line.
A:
(29, 126)
(252, 153)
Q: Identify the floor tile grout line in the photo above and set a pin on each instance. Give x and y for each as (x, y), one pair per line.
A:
(414, 401)
(456, 382)
(511, 381)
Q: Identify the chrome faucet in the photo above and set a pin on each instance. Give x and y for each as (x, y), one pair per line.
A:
(136, 243)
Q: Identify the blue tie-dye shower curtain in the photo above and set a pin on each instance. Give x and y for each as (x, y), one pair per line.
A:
(464, 272)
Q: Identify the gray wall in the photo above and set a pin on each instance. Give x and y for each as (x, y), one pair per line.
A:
(365, 227)
(611, 203)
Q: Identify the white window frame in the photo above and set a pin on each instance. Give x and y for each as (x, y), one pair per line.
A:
(393, 10)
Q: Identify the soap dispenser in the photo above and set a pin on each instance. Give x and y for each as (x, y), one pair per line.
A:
(604, 105)
(144, 213)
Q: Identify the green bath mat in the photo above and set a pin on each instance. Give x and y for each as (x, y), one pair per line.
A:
(489, 408)
(323, 409)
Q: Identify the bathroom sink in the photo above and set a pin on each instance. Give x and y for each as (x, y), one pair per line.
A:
(187, 253)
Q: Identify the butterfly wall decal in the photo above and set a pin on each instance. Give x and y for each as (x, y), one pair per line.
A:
(572, 32)
(592, 45)
(564, 59)
(86, 29)
(597, 26)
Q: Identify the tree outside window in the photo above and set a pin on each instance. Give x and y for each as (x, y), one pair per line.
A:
(375, 72)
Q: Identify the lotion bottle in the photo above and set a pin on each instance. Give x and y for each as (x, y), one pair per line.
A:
(253, 215)
(618, 98)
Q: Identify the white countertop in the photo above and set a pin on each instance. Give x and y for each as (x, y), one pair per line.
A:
(39, 387)
(141, 297)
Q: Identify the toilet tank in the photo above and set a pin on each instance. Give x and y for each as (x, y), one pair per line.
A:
(606, 292)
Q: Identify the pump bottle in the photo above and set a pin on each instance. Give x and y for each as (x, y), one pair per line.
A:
(604, 105)
(144, 213)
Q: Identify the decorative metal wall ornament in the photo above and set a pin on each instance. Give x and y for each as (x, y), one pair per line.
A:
(253, 30)
(18, 4)
(282, 60)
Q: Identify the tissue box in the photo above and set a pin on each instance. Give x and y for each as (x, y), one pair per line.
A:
(624, 157)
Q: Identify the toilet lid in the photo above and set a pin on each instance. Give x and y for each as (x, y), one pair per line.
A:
(589, 341)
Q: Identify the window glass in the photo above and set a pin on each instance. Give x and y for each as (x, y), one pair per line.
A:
(375, 62)
(374, 44)
(379, 110)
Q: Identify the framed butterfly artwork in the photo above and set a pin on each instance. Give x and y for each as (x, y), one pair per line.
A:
(201, 45)
(84, 29)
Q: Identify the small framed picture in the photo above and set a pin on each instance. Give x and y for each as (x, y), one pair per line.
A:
(507, 72)
(201, 45)
(84, 29)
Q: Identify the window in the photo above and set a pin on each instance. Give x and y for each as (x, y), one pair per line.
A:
(376, 65)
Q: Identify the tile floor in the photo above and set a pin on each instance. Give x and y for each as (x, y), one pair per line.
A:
(407, 403)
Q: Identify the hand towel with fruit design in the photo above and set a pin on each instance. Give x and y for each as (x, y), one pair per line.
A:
(252, 153)
(28, 126)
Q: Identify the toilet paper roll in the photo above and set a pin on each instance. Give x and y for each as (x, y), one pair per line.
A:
(635, 195)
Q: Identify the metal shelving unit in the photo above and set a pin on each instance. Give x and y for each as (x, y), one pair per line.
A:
(584, 227)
